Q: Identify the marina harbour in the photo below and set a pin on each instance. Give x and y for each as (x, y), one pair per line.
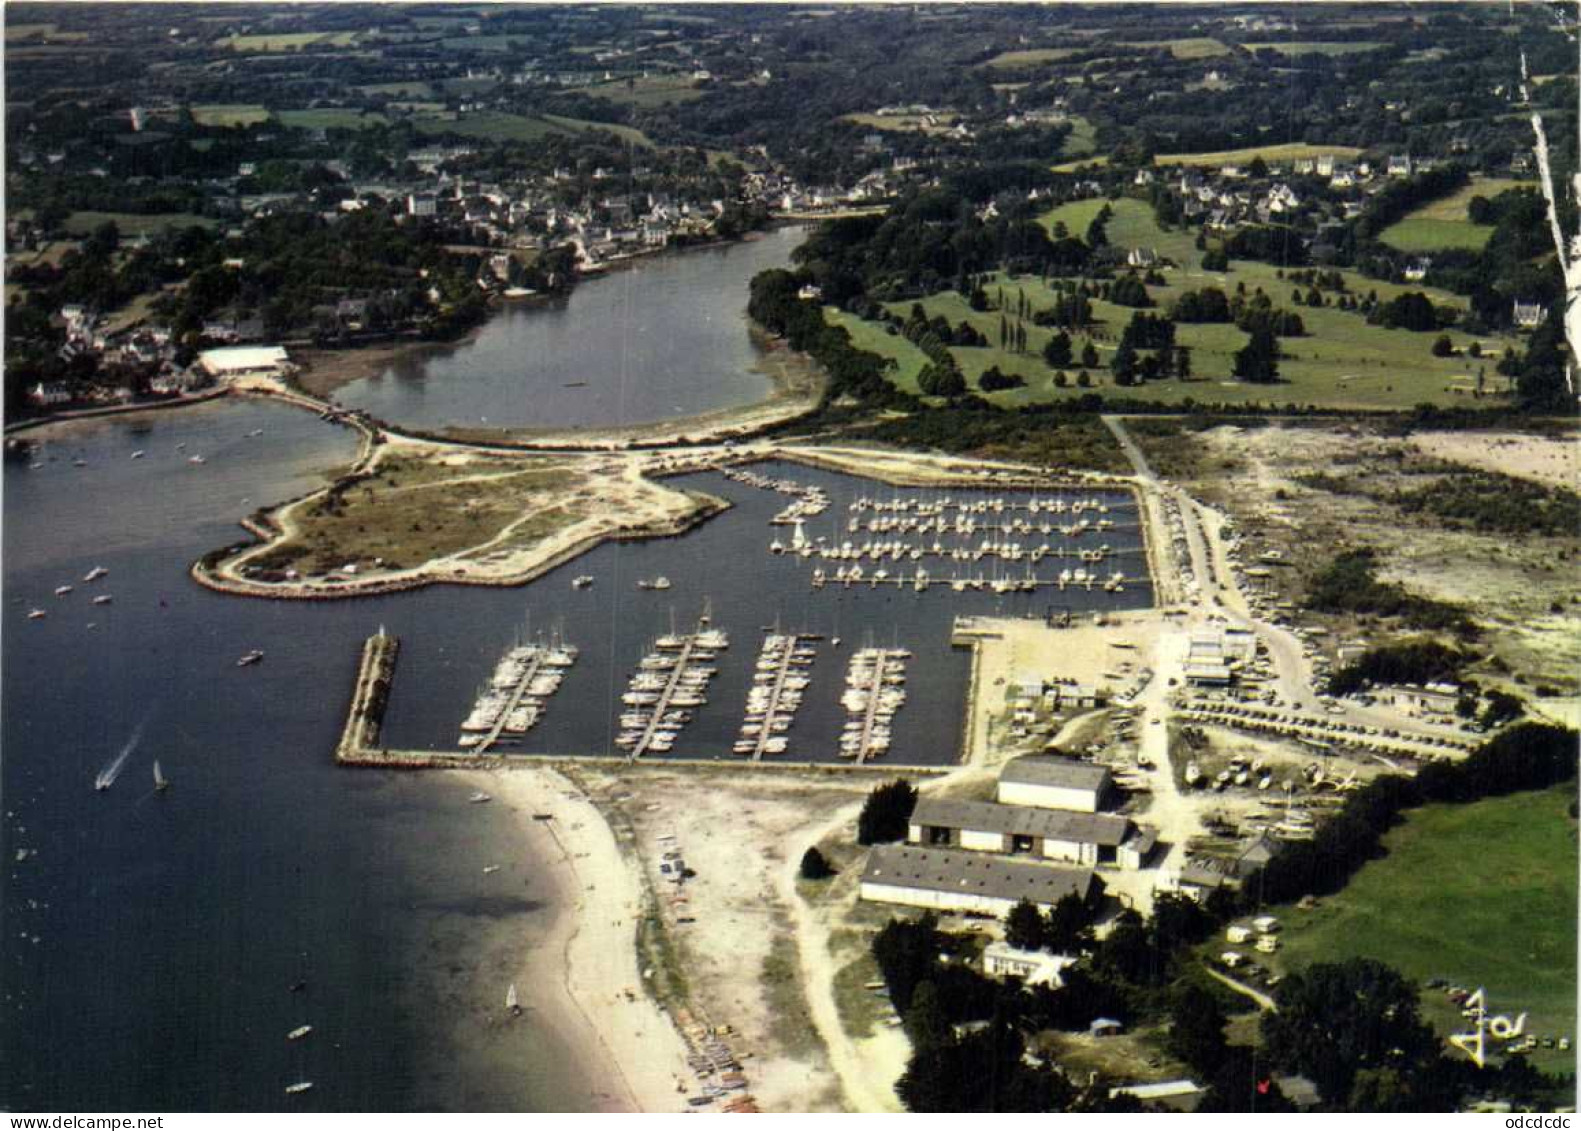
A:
(810, 622)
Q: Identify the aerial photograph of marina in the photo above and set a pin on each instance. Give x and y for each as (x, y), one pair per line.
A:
(797, 558)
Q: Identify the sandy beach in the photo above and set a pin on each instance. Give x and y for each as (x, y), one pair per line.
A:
(584, 980)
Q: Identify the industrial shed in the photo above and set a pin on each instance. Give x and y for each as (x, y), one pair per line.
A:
(244, 361)
(1052, 782)
(1050, 834)
(952, 880)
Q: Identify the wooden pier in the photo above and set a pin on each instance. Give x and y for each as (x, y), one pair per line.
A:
(498, 728)
(787, 665)
(671, 685)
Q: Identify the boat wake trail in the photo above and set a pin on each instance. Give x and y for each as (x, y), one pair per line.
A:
(108, 775)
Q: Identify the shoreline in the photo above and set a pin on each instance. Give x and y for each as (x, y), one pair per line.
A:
(595, 994)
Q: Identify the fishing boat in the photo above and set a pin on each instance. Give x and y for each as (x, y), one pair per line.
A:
(511, 1002)
(298, 1088)
(299, 1032)
(250, 658)
(161, 783)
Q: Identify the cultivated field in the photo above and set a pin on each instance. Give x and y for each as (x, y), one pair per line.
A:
(1293, 49)
(331, 118)
(1273, 154)
(648, 90)
(1197, 47)
(1482, 894)
(1021, 60)
(230, 114)
(289, 41)
(1444, 223)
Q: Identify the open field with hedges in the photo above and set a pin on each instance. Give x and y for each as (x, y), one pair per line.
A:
(1445, 223)
(1482, 894)
(1341, 362)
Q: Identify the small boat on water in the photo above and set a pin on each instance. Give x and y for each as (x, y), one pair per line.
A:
(479, 798)
(95, 573)
(62, 590)
(196, 459)
(581, 582)
(138, 454)
(490, 869)
(161, 782)
(299, 1032)
(36, 614)
(298, 1088)
(250, 658)
(103, 599)
(511, 1001)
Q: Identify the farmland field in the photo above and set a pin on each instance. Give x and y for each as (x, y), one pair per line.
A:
(134, 223)
(1290, 151)
(582, 125)
(904, 123)
(652, 90)
(398, 89)
(331, 118)
(1347, 48)
(1482, 894)
(1016, 60)
(234, 114)
(1082, 138)
(1200, 47)
(1444, 223)
(289, 41)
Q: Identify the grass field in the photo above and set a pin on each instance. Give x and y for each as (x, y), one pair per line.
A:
(230, 114)
(488, 127)
(1200, 47)
(582, 125)
(289, 41)
(1342, 362)
(398, 89)
(1290, 151)
(1082, 138)
(133, 223)
(1019, 60)
(652, 90)
(875, 338)
(904, 123)
(1481, 894)
(331, 118)
(1444, 223)
(1304, 48)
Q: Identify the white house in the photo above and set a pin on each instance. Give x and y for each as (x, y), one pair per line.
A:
(1033, 967)
(1053, 782)
(244, 361)
(1049, 834)
(945, 880)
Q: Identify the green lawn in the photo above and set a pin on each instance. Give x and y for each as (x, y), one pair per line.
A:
(1342, 362)
(1199, 47)
(653, 90)
(1444, 223)
(1082, 138)
(133, 223)
(1481, 894)
(289, 41)
(1019, 60)
(331, 118)
(1315, 48)
(875, 338)
(581, 125)
(230, 114)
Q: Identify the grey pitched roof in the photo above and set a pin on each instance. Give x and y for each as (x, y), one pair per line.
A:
(1020, 820)
(973, 873)
(1053, 770)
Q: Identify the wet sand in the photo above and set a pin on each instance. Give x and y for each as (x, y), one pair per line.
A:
(579, 978)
